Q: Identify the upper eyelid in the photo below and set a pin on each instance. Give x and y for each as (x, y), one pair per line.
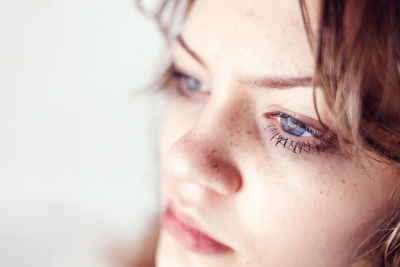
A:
(316, 133)
(177, 75)
(178, 68)
(284, 115)
(313, 123)
(324, 137)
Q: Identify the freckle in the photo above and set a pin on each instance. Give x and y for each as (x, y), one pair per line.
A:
(293, 23)
(341, 198)
(343, 181)
(238, 115)
(249, 14)
(231, 144)
(249, 132)
(215, 166)
(237, 131)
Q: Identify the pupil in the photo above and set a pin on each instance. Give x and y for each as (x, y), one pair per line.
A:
(292, 126)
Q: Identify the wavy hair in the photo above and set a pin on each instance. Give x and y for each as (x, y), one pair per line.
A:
(359, 75)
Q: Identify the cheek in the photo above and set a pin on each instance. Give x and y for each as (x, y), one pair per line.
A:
(296, 207)
(287, 203)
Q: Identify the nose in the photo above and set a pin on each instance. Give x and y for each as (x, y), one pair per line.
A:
(203, 159)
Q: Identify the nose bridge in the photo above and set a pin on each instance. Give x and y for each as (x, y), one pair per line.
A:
(224, 116)
(203, 154)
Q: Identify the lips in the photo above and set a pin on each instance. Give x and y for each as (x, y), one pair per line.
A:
(183, 231)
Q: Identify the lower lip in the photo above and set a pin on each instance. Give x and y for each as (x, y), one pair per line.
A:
(189, 237)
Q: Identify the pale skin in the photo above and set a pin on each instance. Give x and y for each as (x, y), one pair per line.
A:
(272, 206)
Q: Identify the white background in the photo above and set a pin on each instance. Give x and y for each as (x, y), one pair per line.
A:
(78, 156)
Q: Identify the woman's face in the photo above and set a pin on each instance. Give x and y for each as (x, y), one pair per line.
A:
(249, 177)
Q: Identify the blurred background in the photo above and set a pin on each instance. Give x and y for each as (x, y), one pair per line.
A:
(78, 146)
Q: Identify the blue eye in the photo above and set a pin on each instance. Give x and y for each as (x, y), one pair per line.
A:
(297, 136)
(294, 127)
(189, 85)
(192, 84)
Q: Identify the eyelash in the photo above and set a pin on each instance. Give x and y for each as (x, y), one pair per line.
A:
(316, 143)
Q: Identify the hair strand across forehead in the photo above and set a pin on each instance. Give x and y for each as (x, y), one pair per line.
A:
(359, 72)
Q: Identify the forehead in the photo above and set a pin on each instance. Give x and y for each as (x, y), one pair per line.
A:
(250, 37)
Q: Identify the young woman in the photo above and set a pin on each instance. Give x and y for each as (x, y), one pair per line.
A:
(280, 145)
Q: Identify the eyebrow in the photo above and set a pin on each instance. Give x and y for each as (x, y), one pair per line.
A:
(278, 82)
(184, 45)
(272, 82)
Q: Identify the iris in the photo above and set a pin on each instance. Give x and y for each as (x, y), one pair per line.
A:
(293, 126)
(193, 84)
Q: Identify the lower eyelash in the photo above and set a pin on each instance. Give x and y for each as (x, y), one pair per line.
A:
(294, 145)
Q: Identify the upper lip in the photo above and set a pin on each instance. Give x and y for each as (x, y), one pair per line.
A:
(185, 218)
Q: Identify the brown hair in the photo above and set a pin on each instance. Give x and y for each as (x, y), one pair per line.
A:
(359, 74)
(360, 78)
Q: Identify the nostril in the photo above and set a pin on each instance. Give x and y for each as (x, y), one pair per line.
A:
(226, 177)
